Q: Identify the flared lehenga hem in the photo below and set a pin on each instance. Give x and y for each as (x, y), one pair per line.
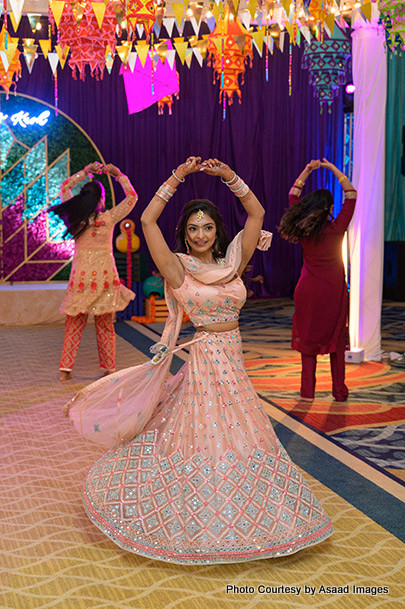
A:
(198, 510)
(200, 554)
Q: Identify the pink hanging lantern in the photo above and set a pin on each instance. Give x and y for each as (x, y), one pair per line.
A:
(87, 41)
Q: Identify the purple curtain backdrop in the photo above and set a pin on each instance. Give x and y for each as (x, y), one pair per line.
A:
(267, 140)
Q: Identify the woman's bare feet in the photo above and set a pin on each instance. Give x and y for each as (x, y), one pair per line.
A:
(65, 375)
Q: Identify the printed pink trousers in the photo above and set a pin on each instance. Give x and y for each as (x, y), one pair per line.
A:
(105, 334)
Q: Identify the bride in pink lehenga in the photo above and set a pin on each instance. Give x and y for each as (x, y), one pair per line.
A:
(196, 474)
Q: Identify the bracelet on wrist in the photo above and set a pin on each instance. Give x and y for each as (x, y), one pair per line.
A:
(120, 175)
(177, 178)
(342, 178)
(299, 182)
(228, 182)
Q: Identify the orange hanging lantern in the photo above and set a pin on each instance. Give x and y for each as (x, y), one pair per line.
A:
(142, 12)
(88, 42)
(13, 58)
(229, 46)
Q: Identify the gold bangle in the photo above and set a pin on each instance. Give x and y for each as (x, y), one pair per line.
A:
(300, 182)
(342, 179)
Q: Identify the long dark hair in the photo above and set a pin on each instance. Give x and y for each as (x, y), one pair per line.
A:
(222, 240)
(306, 219)
(76, 212)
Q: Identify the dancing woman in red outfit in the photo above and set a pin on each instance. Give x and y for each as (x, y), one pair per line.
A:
(320, 297)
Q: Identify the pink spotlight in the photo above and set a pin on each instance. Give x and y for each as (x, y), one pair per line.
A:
(350, 88)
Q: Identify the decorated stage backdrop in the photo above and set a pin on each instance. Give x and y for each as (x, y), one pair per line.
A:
(38, 150)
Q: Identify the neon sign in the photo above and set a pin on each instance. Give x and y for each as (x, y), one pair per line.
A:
(23, 119)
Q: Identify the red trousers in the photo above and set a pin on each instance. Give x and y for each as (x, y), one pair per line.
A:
(105, 334)
(337, 368)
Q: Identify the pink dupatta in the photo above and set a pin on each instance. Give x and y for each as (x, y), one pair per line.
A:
(117, 407)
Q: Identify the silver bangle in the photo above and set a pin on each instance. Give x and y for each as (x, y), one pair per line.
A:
(238, 189)
(178, 179)
(161, 196)
(229, 181)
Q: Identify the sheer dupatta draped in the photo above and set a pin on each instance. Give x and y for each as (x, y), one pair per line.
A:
(116, 408)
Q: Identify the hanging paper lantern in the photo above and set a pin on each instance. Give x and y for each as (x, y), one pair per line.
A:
(392, 16)
(10, 65)
(80, 30)
(142, 12)
(327, 65)
(229, 46)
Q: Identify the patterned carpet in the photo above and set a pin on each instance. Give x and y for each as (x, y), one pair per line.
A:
(53, 556)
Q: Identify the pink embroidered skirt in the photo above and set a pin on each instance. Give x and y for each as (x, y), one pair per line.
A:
(207, 481)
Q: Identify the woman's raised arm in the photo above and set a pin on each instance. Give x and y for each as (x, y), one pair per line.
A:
(254, 209)
(167, 263)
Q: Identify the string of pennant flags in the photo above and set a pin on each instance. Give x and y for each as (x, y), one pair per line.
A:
(226, 34)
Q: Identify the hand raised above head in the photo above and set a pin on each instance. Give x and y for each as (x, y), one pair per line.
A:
(95, 167)
(214, 167)
(191, 165)
(327, 164)
(314, 164)
(111, 169)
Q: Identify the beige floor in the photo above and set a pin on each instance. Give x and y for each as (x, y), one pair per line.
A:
(53, 557)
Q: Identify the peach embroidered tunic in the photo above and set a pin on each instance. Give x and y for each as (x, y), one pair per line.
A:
(94, 285)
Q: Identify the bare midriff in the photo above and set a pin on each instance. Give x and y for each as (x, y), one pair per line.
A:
(225, 326)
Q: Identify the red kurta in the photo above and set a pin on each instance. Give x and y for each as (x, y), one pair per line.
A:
(320, 297)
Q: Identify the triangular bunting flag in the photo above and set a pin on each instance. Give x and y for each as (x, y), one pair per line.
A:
(305, 31)
(366, 10)
(57, 7)
(218, 44)
(62, 53)
(278, 15)
(161, 50)
(257, 39)
(281, 41)
(178, 10)
(189, 57)
(330, 23)
(99, 11)
(12, 46)
(290, 30)
(53, 59)
(30, 54)
(181, 48)
(132, 60)
(198, 55)
(78, 11)
(142, 50)
(16, 10)
(286, 5)
(168, 22)
(45, 46)
(170, 57)
(139, 29)
(196, 26)
(252, 6)
(4, 60)
(216, 11)
(34, 19)
(240, 41)
(245, 19)
(123, 50)
(270, 44)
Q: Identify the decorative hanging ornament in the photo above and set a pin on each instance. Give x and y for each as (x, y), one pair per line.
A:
(142, 12)
(392, 16)
(80, 30)
(10, 65)
(229, 47)
(327, 63)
